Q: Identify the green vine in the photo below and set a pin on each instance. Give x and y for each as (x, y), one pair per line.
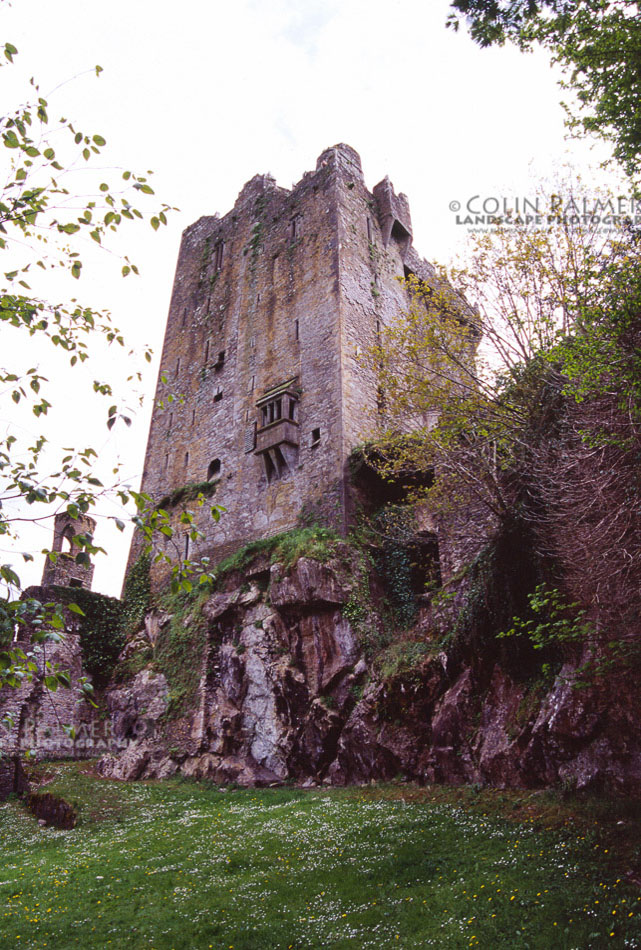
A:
(136, 595)
(100, 629)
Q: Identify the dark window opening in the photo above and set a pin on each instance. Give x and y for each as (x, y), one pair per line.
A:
(399, 233)
(252, 383)
(184, 321)
(408, 272)
(220, 360)
(193, 416)
(296, 330)
(177, 366)
(219, 251)
(292, 409)
(166, 461)
(293, 229)
(258, 298)
(218, 395)
(214, 469)
(171, 421)
(315, 436)
(272, 412)
(75, 582)
(206, 351)
(186, 459)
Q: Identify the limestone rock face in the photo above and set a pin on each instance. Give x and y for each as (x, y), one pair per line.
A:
(274, 690)
(284, 693)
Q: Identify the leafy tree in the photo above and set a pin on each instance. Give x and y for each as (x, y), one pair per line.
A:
(544, 425)
(597, 43)
(46, 222)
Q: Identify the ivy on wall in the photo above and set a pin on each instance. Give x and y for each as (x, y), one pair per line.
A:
(100, 630)
(136, 595)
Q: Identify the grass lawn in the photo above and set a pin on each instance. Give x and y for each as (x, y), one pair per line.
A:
(183, 865)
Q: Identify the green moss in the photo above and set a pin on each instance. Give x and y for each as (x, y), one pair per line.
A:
(178, 653)
(315, 542)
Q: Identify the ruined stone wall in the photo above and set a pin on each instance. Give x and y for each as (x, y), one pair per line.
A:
(35, 716)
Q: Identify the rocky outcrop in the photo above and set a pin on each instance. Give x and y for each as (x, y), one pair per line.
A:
(277, 665)
(285, 693)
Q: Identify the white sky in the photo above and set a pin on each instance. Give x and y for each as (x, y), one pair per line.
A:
(209, 93)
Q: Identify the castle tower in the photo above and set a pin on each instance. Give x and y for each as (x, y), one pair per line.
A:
(261, 392)
(66, 571)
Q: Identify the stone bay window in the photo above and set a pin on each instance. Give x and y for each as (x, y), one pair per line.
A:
(277, 434)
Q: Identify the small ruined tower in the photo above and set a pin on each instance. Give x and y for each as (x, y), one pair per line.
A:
(66, 571)
(262, 396)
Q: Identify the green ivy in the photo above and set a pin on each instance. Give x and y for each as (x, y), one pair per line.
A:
(395, 525)
(100, 629)
(136, 595)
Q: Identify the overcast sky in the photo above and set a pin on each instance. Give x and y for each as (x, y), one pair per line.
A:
(209, 93)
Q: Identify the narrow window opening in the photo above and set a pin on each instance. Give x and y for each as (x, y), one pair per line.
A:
(177, 366)
(252, 383)
(218, 255)
(296, 330)
(315, 436)
(214, 469)
(171, 421)
(184, 320)
(193, 416)
(218, 395)
(220, 360)
(67, 540)
(258, 298)
(369, 230)
(293, 229)
(252, 341)
(206, 351)
(186, 459)
(186, 546)
(292, 409)
(166, 462)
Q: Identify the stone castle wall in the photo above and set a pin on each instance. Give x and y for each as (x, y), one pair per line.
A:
(288, 287)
